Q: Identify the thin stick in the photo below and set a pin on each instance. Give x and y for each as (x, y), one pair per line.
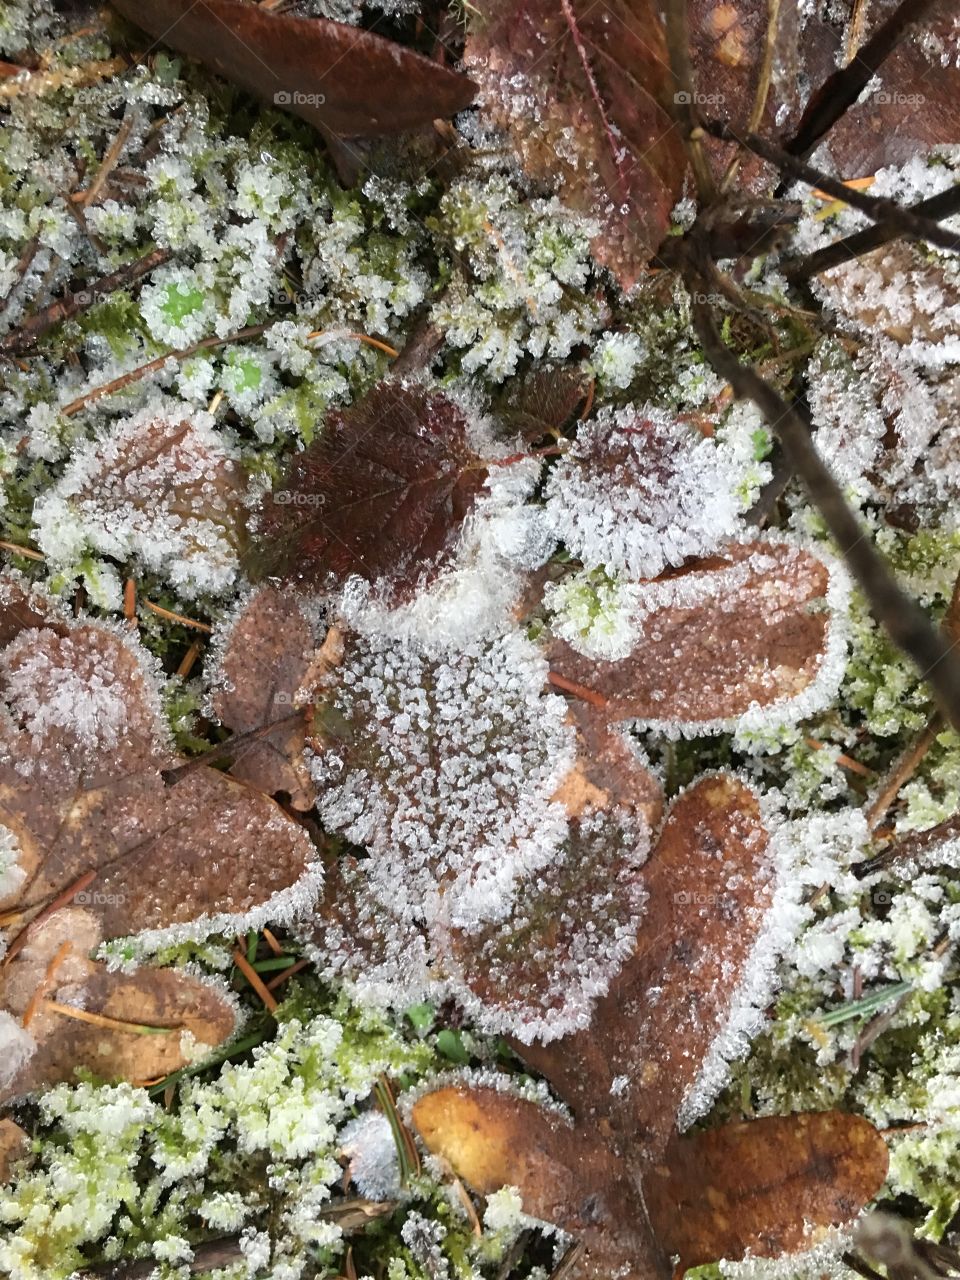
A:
(942, 205)
(841, 89)
(107, 164)
(902, 771)
(251, 975)
(113, 1024)
(763, 87)
(61, 900)
(24, 338)
(355, 337)
(893, 215)
(281, 978)
(845, 761)
(188, 660)
(211, 1255)
(233, 746)
(21, 551)
(903, 619)
(135, 375)
(684, 93)
(176, 617)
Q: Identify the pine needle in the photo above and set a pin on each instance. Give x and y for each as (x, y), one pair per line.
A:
(113, 1024)
(251, 975)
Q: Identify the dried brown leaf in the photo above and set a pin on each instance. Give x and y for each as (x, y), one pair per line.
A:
(265, 657)
(564, 1175)
(596, 80)
(769, 1187)
(709, 886)
(82, 750)
(342, 79)
(14, 1145)
(741, 630)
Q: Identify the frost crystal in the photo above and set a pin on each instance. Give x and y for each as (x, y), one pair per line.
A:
(640, 491)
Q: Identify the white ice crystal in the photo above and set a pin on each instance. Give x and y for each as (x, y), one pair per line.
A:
(12, 875)
(640, 491)
(368, 1143)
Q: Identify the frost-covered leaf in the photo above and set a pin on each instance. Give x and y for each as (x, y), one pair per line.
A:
(726, 638)
(443, 767)
(709, 883)
(595, 78)
(640, 491)
(539, 970)
(343, 80)
(87, 814)
(159, 489)
(383, 493)
(769, 1187)
(544, 401)
(264, 655)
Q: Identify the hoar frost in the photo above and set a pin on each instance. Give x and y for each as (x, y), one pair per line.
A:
(641, 491)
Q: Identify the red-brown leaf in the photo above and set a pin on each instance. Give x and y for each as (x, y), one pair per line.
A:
(342, 79)
(771, 1187)
(736, 631)
(595, 79)
(383, 494)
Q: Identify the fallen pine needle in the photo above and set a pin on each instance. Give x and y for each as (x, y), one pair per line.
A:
(113, 1024)
(845, 762)
(21, 551)
(176, 617)
(251, 975)
(578, 690)
(355, 337)
(61, 900)
(30, 1012)
(189, 658)
(271, 942)
(282, 977)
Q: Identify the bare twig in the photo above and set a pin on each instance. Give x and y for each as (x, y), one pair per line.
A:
(903, 619)
(841, 90)
(24, 338)
(208, 1256)
(934, 208)
(904, 221)
(763, 87)
(684, 96)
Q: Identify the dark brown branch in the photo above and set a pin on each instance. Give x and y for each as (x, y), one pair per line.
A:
(24, 338)
(935, 207)
(684, 96)
(903, 619)
(904, 221)
(209, 1256)
(841, 89)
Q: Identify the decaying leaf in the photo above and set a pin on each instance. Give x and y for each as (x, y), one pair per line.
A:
(709, 884)
(14, 1145)
(265, 655)
(723, 637)
(769, 1187)
(100, 844)
(161, 491)
(596, 80)
(383, 493)
(566, 1176)
(344, 80)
